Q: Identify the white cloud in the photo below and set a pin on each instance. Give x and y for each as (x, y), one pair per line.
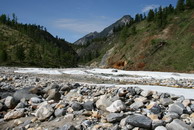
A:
(148, 7)
(81, 26)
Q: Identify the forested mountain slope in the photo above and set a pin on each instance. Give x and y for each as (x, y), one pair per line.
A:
(161, 41)
(32, 45)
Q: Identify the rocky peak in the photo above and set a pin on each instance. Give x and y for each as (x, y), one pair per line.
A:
(125, 19)
(86, 38)
(106, 32)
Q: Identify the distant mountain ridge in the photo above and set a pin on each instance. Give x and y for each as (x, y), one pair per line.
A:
(106, 32)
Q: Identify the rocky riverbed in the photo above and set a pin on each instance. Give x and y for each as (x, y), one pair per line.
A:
(76, 102)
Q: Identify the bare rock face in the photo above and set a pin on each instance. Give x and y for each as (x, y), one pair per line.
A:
(44, 112)
(14, 114)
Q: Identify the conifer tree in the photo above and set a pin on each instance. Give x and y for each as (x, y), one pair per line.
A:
(20, 53)
(180, 5)
(150, 15)
(137, 18)
(190, 4)
(3, 18)
(170, 9)
(3, 56)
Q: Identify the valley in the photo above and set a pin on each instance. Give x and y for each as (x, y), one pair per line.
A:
(129, 72)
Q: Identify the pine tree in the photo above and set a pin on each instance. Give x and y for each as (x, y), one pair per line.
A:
(124, 34)
(20, 53)
(3, 56)
(144, 16)
(190, 4)
(170, 9)
(141, 17)
(133, 30)
(150, 15)
(161, 17)
(3, 18)
(137, 18)
(180, 5)
(14, 20)
(32, 53)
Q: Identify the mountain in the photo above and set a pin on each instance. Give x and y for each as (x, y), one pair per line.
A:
(106, 32)
(164, 41)
(31, 45)
(86, 38)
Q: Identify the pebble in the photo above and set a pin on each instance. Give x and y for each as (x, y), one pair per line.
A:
(94, 107)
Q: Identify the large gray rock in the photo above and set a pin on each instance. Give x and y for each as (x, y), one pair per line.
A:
(72, 94)
(44, 112)
(9, 102)
(76, 106)
(123, 123)
(192, 107)
(141, 99)
(140, 121)
(103, 102)
(51, 86)
(16, 113)
(156, 123)
(54, 94)
(136, 105)
(59, 112)
(20, 105)
(68, 127)
(66, 88)
(166, 101)
(23, 93)
(160, 128)
(116, 106)
(173, 115)
(35, 100)
(114, 117)
(86, 124)
(1, 106)
(146, 93)
(154, 108)
(178, 125)
(186, 102)
(89, 105)
(176, 108)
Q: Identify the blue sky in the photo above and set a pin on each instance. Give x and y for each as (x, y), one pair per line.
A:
(72, 19)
